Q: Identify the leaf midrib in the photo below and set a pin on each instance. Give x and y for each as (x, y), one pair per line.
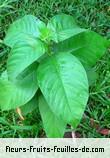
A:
(54, 62)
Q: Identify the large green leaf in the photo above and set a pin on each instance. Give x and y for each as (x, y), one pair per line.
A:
(62, 27)
(63, 82)
(92, 76)
(24, 29)
(17, 93)
(28, 70)
(53, 125)
(87, 46)
(109, 43)
(30, 106)
(22, 55)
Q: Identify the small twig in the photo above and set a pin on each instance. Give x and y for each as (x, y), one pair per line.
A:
(18, 110)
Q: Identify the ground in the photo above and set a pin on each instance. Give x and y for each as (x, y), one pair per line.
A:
(92, 14)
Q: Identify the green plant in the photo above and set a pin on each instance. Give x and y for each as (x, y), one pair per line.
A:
(49, 67)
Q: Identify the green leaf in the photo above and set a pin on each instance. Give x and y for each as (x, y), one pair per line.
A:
(28, 70)
(22, 128)
(62, 27)
(18, 93)
(108, 43)
(87, 46)
(53, 125)
(22, 55)
(23, 30)
(30, 106)
(92, 76)
(63, 82)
